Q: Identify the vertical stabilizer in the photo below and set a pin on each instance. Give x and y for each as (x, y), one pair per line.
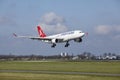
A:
(40, 32)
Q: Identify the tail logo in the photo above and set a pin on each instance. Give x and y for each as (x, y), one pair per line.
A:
(40, 32)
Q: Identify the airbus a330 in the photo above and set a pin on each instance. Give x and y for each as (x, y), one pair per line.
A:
(75, 35)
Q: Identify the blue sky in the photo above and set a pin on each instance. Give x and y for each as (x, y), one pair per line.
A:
(100, 18)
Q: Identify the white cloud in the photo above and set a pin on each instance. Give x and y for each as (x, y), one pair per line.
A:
(54, 28)
(103, 29)
(52, 18)
(51, 22)
(107, 29)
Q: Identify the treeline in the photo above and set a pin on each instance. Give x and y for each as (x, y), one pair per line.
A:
(62, 56)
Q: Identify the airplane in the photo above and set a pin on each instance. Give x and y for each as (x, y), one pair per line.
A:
(75, 35)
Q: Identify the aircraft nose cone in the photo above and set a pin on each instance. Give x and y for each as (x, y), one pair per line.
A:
(83, 34)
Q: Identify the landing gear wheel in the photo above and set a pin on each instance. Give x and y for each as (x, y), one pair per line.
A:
(53, 45)
(67, 44)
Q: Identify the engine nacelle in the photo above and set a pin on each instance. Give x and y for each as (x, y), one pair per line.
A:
(54, 40)
(78, 40)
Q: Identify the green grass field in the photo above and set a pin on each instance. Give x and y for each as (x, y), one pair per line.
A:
(92, 66)
(31, 76)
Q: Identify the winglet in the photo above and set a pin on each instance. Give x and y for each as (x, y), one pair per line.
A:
(14, 34)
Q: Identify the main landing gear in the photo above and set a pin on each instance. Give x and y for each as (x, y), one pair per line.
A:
(67, 44)
(53, 45)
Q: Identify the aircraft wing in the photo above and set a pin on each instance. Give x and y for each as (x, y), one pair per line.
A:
(39, 38)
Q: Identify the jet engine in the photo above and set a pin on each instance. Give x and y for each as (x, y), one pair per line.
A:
(54, 40)
(78, 40)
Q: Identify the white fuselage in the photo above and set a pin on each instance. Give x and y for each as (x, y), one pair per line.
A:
(67, 36)
(75, 35)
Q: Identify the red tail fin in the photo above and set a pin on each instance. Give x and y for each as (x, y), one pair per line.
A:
(40, 32)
